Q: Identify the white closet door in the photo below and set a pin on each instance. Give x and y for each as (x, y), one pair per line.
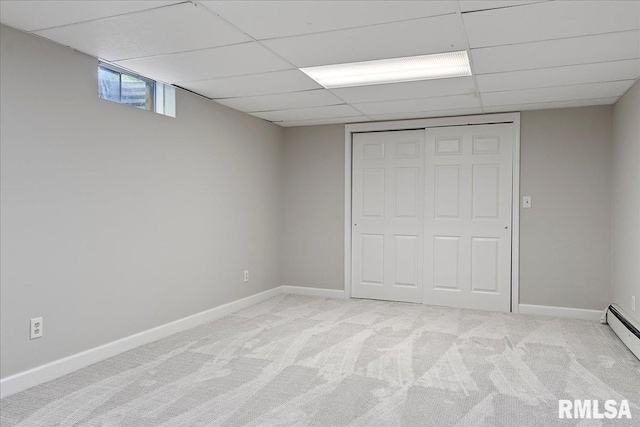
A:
(467, 220)
(387, 229)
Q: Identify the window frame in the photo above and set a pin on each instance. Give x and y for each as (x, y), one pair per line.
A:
(159, 95)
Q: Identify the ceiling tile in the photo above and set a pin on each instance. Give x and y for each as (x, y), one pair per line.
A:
(408, 90)
(548, 105)
(253, 85)
(475, 5)
(560, 76)
(155, 32)
(288, 18)
(409, 38)
(339, 120)
(556, 53)
(35, 15)
(561, 19)
(551, 94)
(314, 113)
(225, 61)
(419, 105)
(282, 101)
(427, 114)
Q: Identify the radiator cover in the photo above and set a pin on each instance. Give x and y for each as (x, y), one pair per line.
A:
(625, 327)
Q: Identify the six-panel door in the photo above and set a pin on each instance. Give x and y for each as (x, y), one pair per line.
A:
(387, 227)
(432, 216)
(468, 179)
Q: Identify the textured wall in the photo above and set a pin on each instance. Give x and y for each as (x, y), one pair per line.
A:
(117, 220)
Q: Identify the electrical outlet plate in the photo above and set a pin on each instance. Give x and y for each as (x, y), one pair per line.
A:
(526, 202)
(246, 275)
(36, 328)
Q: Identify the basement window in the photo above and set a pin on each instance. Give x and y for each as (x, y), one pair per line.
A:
(121, 86)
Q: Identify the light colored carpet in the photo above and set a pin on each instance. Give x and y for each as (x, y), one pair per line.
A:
(298, 361)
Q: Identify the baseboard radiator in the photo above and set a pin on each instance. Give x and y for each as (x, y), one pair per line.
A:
(625, 327)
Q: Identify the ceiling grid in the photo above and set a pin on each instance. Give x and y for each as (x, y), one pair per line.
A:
(524, 54)
(466, 37)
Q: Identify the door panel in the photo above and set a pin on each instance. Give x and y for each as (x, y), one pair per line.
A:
(448, 146)
(486, 191)
(407, 192)
(447, 191)
(388, 211)
(485, 258)
(372, 258)
(468, 180)
(406, 262)
(446, 266)
(373, 193)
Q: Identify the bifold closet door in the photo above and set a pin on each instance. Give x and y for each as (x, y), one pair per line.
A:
(468, 198)
(387, 212)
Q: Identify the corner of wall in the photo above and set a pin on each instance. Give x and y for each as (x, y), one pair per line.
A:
(625, 224)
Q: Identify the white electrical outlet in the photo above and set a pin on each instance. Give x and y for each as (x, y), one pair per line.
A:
(36, 328)
(526, 202)
(633, 302)
(246, 275)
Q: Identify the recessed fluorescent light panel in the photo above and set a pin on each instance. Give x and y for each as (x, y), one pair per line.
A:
(396, 70)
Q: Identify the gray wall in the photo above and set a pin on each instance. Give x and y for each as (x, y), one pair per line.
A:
(565, 238)
(626, 201)
(313, 241)
(116, 220)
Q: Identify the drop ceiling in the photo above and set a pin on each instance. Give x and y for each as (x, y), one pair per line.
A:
(246, 54)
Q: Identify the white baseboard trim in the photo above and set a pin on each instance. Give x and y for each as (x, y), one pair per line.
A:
(313, 292)
(571, 313)
(50, 371)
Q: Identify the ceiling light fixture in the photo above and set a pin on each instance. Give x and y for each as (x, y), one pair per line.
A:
(411, 68)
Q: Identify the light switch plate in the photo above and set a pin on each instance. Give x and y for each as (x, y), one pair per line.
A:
(526, 202)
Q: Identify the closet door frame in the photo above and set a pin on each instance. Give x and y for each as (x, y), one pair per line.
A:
(514, 118)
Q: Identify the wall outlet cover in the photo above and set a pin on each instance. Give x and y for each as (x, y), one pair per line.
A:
(36, 328)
